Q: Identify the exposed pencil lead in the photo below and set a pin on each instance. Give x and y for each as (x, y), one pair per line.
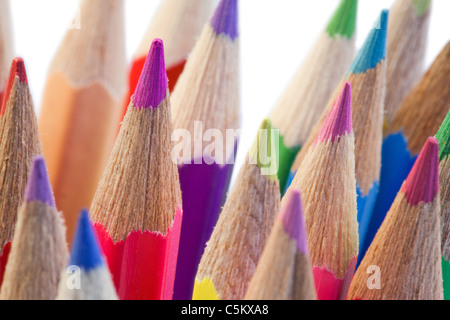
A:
(17, 70)
(225, 19)
(422, 6)
(291, 215)
(374, 49)
(422, 184)
(38, 187)
(339, 120)
(443, 137)
(152, 86)
(343, 22)
(86, 253)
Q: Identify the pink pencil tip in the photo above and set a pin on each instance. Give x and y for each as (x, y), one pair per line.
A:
(152, 86)
(339, 120)
(291, 215)
(422, 184)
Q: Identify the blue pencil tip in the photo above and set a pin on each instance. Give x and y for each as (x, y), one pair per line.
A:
(225, 19)
(86, 253)
(374, 49)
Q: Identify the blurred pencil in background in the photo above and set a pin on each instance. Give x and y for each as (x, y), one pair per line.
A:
(404, 260)
(311, 88)
(419, 117)
(244, 225)
(326, 180)
(6, 45)
(284, 269)
(178, 24)
(206, 105)
(19, 143)
(407, 43)
(85, 88)
(137, 209)
(88, 277)
(39, 250)
(367, 76)
(443, 137)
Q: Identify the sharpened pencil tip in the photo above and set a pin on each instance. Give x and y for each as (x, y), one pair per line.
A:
(343, 22)
(443, 137)
(422, 6)
(339, 120)
(86, 253)
(152, 86)
(17, 71)
(291, 215)
(422, 184)
(225, 19)
(38, 187)
(374, 48)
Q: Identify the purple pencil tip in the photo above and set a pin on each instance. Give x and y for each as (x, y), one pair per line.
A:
(291, 215)
(339, 120)
(225, 19)
(422, 184)
(38, 187)
(152, 86)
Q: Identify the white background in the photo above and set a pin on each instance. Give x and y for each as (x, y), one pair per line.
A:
(275, 36)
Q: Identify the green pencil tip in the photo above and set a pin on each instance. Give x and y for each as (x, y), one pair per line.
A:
(443, 137)
(265, 150)
(343, 22)
(421, 6)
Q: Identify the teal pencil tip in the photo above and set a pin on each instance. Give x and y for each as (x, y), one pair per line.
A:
(343, 21)
(374, 49)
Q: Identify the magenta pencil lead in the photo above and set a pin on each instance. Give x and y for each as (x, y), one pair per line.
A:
(152, 86)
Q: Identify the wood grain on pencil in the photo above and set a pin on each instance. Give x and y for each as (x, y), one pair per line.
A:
(284, 269)
(137, 206)
(81, 105)
(6, 44)
(237, 242)
(407, 247)
(406, 48)
(39, 250)
(19, 143)
(326, 180)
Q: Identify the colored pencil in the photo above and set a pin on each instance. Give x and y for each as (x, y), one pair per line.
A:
(6, 45)
(244, 225)
(87, 277)
(39, 248)
(326, 180)
(368, 78)
(137, 208)
(19, 143)
(443, 137)
(207, 96)
(81, 105)
(284, 270)
(419, 117)
(406, 252)
(406, 48)
(306, 96)
(178, 24)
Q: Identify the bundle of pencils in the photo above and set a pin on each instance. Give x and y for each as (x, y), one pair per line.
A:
(367, 76)
(306, 96)
(19, 144)
(178, 24)
(81, 105)
(329, 170)
(137, 210)
(240, 235)
(404, 259)
(419, 117)
(206, 104)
